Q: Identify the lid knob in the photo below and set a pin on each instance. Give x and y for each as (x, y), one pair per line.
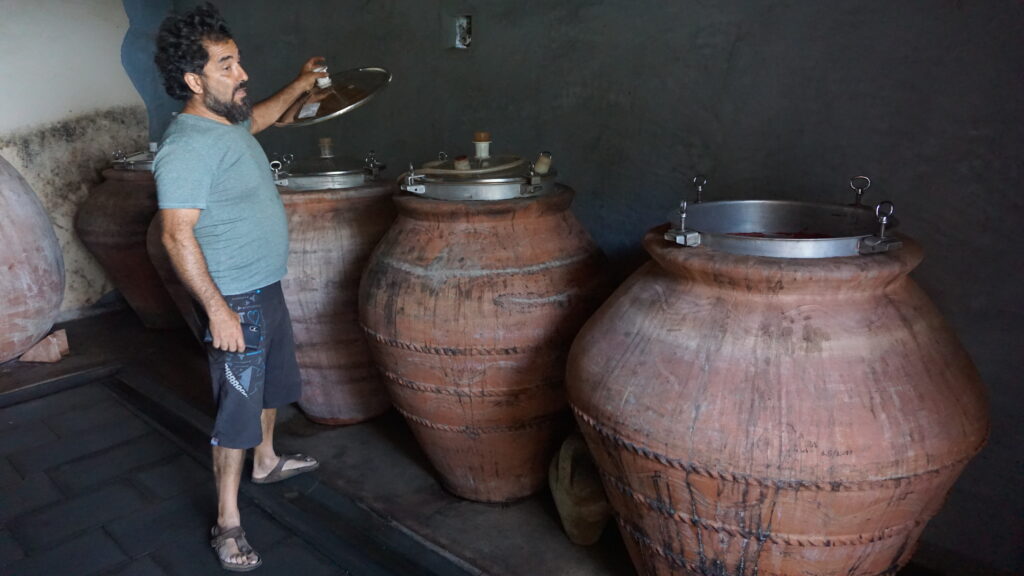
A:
(543, 163)
(324, 82)
(326, 147)
(482, 143)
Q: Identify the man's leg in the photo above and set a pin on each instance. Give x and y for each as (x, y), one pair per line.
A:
(227, 470)
(264, 459)
(283, 385)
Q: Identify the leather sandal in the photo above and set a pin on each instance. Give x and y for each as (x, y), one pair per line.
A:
(279, 473)
(238, 535)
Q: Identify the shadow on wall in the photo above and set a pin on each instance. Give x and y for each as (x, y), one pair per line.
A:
(137, 50)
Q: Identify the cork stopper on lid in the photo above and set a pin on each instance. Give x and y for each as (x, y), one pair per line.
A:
(481, 136)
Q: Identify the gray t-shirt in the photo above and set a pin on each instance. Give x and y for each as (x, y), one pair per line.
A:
(222, 170)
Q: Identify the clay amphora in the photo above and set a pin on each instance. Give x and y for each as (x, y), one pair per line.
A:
(112, 223)
(331, 235)
(777, 417)
(31, 266)
(470, 307)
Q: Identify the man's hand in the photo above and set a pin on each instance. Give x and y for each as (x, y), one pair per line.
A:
(267, 112)
(226, 330)
(308, 76)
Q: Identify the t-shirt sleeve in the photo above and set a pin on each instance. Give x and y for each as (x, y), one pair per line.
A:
(184, 176)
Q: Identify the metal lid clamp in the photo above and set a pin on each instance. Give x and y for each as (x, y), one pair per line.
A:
(280, 167)
(880, 243)
(413, 181)
(681, 235)
(373, 166)
(699, 181)
(859, 184)
(538, 169)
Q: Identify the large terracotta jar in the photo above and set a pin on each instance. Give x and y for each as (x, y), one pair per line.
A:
(112, 223)
(337, 212)
(774, 416)
(31, 266)
(470, 303)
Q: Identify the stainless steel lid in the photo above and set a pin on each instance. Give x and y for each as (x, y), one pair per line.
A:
(784, 228)
(142, 161)
(482, 177)
(343, 92)
(326, 171)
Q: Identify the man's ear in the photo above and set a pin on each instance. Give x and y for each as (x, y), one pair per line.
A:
(194, 82)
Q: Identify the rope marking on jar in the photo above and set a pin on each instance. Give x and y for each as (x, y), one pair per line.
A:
(463, 393)
(474, 431)
(775, 538)
(643, 540)
(693, 468)
(449, 350)
(454, 273)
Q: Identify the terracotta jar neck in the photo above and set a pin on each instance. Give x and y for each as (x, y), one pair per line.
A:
(132, 175)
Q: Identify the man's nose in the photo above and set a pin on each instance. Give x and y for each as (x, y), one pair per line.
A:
(243, 77)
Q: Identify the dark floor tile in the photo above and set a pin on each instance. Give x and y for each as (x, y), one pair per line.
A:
(29, 435)
(10, 550)
(69, 449)
(77, 422)
(191, 556)
(162, 525)
(87, 555)
(144, 566)
(261, 529)
(35, 491)
(174, 477)
(293, 556)
(49, 526)
(90, 471)
(8, 475)
(66, 401)
(916, 570)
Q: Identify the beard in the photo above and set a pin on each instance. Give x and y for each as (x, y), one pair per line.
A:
(234, 112)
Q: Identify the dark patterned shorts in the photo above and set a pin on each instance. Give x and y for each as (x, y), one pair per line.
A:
(265, 376)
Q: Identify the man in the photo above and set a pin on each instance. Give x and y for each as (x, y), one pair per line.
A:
(225, 230)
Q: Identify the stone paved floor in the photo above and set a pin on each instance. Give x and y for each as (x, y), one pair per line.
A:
(88, 487)
(91, 484)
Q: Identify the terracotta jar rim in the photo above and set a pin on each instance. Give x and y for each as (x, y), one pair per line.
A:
(118, 174)
(368, 190)
(782, 276)
(421, 208)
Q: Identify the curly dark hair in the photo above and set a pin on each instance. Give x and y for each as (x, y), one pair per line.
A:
(179, 46)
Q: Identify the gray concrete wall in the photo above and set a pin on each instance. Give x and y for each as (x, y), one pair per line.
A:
(769, 99)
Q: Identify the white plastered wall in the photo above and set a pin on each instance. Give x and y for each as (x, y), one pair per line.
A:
(66, 103)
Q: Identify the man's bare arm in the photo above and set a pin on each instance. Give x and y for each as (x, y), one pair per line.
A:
(179, 239)
(265, 113)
